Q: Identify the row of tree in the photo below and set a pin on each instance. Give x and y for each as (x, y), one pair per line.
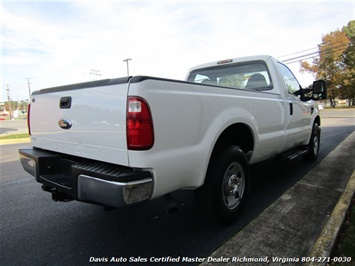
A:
(10, 107)
(335, 63)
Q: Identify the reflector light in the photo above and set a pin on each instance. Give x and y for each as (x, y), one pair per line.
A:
(28, 119)
(140, 132)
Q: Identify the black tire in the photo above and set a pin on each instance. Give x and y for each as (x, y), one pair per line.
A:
(313, 145)
(224, 193)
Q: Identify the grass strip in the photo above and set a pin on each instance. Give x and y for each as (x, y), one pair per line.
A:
(346, 243)
(15, 136)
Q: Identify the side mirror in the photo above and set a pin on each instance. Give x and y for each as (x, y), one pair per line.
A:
(319, 90)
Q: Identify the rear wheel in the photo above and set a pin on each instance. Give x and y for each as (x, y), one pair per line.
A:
(223, 196)
(313, 145)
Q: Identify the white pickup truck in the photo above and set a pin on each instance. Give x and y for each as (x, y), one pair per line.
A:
(127, 140)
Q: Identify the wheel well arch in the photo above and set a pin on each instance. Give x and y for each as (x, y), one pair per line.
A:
(238, 134)
(317, 120)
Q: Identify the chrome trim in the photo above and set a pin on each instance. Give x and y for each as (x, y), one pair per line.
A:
(111, 193)
(64, 123)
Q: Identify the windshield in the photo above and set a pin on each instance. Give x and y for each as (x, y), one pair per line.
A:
(250, 75)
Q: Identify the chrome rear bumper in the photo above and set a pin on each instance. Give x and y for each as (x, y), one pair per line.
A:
(72, 178)
(115, 194)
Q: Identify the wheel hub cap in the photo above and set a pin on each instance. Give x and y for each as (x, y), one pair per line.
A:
(315, 144)
(234, 184)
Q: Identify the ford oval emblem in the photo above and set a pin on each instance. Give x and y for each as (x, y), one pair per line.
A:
(65, 123)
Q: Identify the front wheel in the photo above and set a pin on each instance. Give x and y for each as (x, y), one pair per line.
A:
(223, 196)
(313, 145)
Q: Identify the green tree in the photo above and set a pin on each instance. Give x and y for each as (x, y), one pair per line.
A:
(348, 85)
(11, 106)
(22, 106)
(330, 65)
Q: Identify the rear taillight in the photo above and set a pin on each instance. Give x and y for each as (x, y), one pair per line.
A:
(28, 119)
(140, 132)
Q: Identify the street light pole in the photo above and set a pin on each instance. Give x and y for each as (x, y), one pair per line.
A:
(126, 60)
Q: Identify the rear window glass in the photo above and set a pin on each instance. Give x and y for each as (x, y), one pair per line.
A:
(251, 76)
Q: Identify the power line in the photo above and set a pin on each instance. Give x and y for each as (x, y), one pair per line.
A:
(302, 59)
(297, 52)
(337, 48)
(301, 56)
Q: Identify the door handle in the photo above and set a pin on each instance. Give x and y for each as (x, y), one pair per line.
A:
(65, 102)
(291, 109)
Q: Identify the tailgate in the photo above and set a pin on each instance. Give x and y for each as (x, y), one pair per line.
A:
(86, 120)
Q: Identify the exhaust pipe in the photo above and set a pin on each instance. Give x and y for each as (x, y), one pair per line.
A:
(171, 206)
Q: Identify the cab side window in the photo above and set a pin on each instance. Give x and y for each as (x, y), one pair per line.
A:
(289, 79)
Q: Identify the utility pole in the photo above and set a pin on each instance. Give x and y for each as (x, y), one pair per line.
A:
(126, 60)
(8, 99)
(29, 89)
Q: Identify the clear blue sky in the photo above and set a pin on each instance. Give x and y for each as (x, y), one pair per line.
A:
(56, 43)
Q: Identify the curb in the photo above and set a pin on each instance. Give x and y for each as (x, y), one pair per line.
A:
(325, 243)
(14, 141)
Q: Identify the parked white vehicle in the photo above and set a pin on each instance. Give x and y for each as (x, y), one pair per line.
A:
(127, 140)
